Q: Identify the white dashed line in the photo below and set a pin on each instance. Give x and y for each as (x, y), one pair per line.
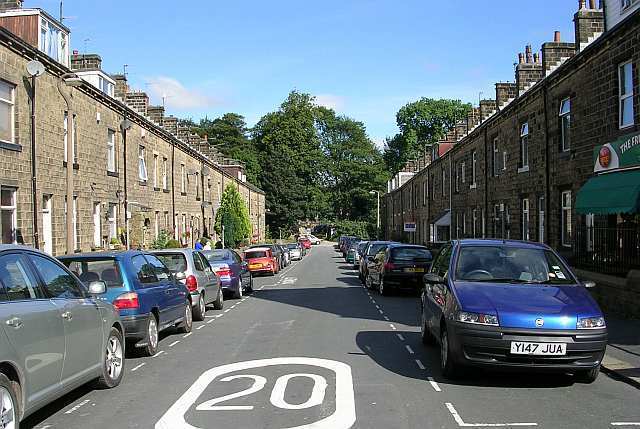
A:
(209, 317)
(380, 311)
(200, 327)
(158, 354)
(187, 335)
(211, 321)
(377, 306)
(434, 384)
(400, 336)
(409, 349)
(174, 343)
(386, 318)
(392, 326)
(227, 310)
(85, 402)
(420, 364)
(625, 424)
(219, 315)
(137, 367)
(461, 422)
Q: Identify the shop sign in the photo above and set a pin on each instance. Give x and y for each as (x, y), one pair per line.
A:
(621, 153)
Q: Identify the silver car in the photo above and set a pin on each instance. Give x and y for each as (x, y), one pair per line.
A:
(192, 269)
(295, 251)
(55, 333)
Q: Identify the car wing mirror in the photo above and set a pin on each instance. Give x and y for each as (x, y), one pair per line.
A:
(97, 287)
(180, 276)
(589, 284)
(433, 279)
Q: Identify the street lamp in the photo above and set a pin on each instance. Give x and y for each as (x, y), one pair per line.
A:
(378, 213)
(35, 69)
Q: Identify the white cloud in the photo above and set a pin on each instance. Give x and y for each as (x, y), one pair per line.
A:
(177, 95)
(330, 101)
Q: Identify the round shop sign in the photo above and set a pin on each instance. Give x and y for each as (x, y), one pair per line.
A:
(604, 157)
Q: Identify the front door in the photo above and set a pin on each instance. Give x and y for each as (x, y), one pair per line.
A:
(80, 316)
(33, 326)
(47, 231)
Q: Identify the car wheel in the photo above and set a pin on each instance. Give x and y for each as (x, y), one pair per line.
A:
(368, 283)
(588, 376)
(382, 289)
(200, 309)
(152, 336)
(219, 302)
(447, 366)
(250, 288)
(425, 333)
(187, 324)
(8, 404)
(238, 293)
(113, 365)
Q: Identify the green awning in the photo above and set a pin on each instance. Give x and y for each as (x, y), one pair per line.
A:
(610, 193)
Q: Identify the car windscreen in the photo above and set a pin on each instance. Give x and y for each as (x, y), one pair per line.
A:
(89, 270)
(216, 255)
(176, 262)
(410, 254)
(361, 247)
(255, 254)
(292, 246)
(375, 248)
(504, 264)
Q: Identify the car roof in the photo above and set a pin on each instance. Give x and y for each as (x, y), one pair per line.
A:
(117, 254)
(469, 242)
(416, 246)
(178, 250)
(262, 249)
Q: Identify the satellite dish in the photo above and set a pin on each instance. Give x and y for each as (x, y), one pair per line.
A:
(35, 68)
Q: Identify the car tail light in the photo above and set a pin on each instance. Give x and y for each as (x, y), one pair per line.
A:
(388, 266)
(192, 283)
(126, 301)
(223, 271)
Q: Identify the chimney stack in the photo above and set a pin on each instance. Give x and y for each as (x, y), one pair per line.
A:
(487, 107)
(170, 123)
(555, 53)
(589, 25)
(138, 101)
(85, 62)
(121, 86)
(156, 114)
(505, 91)
(529, 73)
(6, 5)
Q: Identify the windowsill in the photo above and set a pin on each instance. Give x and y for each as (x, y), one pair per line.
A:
(142, 182)
(113, 174)
(10, 146)
(524, 169)
(564, 155)
(473, 186)
(184, 194)
(197, 198)
(166, 191)
(155, 188)
(76, 166)
(625, 127)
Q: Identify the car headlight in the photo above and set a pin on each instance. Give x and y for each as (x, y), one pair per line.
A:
(590, 323)
(477, 318)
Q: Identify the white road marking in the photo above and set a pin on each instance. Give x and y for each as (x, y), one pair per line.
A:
(209, 317)
(233, 306)
(227, 310)
(409, 349)
(386, 318)
(85, 402)
(420, 364)
(200, 327)
(461, 422)
(174, 343)
(211, 321)
(219, 315)
(187, 335)
(137, 367)
(380, 311)
(400, 337)
(625, 424)
(159, 353)
(377, 306)
(392, 326)
(434, 384)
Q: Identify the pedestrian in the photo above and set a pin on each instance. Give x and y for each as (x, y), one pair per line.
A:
(199, 245)
(207, 245)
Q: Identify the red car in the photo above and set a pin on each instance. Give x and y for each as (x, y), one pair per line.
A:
(305, 242)
(261, 260)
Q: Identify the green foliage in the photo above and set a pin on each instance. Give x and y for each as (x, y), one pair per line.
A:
(360, 229)
(162, 240)
(234, 216)
(172, 244)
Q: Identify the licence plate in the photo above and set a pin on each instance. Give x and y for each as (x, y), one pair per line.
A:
(414, 270)
(255, 266)
(538, 349)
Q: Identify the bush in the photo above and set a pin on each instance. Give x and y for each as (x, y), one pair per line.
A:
(172, 244)
(161, 241)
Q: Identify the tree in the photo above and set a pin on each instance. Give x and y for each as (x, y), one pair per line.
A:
(233, 216)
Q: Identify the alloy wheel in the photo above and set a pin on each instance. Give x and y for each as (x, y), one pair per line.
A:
(444, 349)
(202, 307)
(7, 410)
(188, 315)
(114, 358)
(153, 332)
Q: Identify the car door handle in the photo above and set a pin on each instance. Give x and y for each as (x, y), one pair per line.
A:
(67, 315)
(14, 322)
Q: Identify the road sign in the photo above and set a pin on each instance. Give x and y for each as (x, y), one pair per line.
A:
(410, 227)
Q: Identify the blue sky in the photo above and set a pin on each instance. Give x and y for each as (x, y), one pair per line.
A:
(364, 58)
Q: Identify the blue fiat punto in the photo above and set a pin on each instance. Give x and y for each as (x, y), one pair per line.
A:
(511, 304)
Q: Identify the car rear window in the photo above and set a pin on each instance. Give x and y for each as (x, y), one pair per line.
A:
(255, 254)
(176, 262)
(411, 253)
(216, 255)
(292, 246)
(89, 270)
(375, 248)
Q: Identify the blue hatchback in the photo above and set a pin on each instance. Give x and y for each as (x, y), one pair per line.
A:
(142, 288)
(511, 304)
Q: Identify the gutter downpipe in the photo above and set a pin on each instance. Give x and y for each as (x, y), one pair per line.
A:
(34, 191)
(547, 168)
(69, 192)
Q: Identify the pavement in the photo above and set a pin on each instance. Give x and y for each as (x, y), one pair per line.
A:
(623, 353)
(312, 349)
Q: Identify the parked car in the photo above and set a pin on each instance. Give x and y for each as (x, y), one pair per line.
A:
(193, 270)
(305, 243)
(233, 272)
(276, 252)
(261, 260)
(286, 255)
(511, 304)
(351, 252)
(358, 255)
(56, 333)
(347, 245)
(145, 292)
(313, 239)
(399, 266)
(370, 251)
(295, 251)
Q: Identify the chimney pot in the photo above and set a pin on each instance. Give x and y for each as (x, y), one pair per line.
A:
(582, 4)
(556, 37)
(592, 4)
(520, 58)
(529, 58)
(536, 58)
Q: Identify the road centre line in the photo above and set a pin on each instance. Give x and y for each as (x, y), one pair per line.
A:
(160, 352)
(386, 318)
(227, 310)
(85, 402)
(200, 327)
(625, 424)
(409, 349)
(219, 315)
(434, 384)
(211, 321)
(137, 367)
(461, 422)
(420, 364)
(400, 337)
(392, 326)
(209, 317)
(174, 343)
(187, 335)
(380, 311)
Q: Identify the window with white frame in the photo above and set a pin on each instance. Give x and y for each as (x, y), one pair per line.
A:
(474, 214)
(111, 150)
(74, 147)
(164, 174)
(76, 224)
(464, 224)
(8, 215)
(566, 219)
(155, 170)
(463, 171)
(425, 191)
(444, 182)
(113, 221)
(142, 164)
(541, 210)
(565, 124)
(97, 225)
(53, 41)
(197, 180)
(525, 219)
(624, 4)
(474, 168)
(183, 179)
(7, 111)
(457, 170)
(625, 82)
(524, 145)
(496, 159)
